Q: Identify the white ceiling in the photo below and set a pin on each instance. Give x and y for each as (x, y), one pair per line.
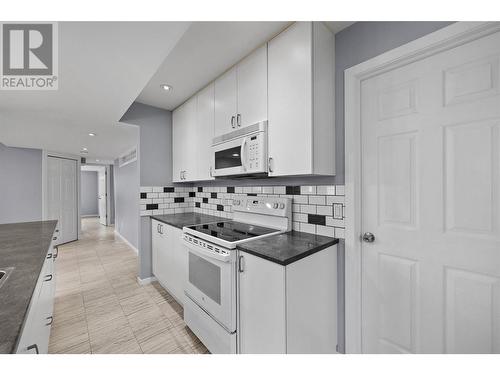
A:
(205, 51)
(103, 66)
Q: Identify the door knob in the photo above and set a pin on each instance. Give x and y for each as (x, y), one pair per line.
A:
(368, 237)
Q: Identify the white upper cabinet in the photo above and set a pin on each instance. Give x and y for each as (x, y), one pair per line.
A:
(205, 133)
(241, 94)
(252, 88)
(301, 101)
(192, 134)
(183, 147)
(225, 102)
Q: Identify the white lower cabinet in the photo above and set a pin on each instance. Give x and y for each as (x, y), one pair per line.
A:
(36, 330)
(288, 309)
(169, 258)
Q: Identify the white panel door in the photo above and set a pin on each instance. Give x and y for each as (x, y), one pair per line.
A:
(431, 196)
(62, 192)
(205, 133)
(225, 102)
(102, 197)
(290, 101)
(252, 88)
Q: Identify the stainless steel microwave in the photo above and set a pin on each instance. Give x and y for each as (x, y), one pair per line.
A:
(242, 152)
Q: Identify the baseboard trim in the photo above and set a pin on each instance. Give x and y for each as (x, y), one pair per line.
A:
(145, 281)
(89, 215)
(127, 242)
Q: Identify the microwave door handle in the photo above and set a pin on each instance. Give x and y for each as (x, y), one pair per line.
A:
(243, 154)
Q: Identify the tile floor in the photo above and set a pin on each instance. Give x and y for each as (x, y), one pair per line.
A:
(100, 307)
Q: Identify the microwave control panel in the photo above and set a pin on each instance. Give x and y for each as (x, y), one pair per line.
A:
(256, 152)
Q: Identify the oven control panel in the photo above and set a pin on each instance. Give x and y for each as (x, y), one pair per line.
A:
(262, 205)
(206, 246)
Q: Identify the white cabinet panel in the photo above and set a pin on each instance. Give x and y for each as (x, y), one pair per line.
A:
(301, 101)
(184, 147)
(262, 327)
(178, 136)
(252, 88)
(290, 98)
(169, 259)
(36, 330)
(288, 309)
(205, 132)
(225, 102)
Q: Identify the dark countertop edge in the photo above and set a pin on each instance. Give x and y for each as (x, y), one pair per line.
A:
(13, 349)
(164, 221)
(294, 258)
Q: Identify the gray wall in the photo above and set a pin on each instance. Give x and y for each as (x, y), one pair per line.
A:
(155, 127)
(126, 189)
(155, 157)
(89, 193)
(361, 42)
(20, 184)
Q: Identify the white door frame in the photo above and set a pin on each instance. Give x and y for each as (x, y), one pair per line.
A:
(45, 155)
(438, 41)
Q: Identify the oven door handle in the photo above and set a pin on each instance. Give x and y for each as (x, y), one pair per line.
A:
(207, 254)
(243, 154)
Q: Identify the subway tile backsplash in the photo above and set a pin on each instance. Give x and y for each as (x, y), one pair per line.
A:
(316, 209)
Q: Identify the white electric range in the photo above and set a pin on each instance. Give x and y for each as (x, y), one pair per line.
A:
(211, 304)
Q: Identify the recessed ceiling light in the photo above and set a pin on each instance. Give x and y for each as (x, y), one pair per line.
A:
(84, 150)
(166, 87)
(97, 160)
(92, 134)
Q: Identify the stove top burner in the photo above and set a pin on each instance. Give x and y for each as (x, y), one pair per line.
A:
(232, 231)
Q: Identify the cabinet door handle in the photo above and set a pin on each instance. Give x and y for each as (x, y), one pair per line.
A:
(54, 238)
(232, 122)
(56, 254)
(34, 346)
(211, 175)
(269, 165)
(50, 319)
(240, 263)
(238, 119)
(49, 256)
(48, 277)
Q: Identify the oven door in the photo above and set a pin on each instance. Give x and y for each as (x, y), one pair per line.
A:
(211, 284)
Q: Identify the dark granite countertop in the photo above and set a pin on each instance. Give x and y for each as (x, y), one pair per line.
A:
(23, 246)
(186, 219)
(287, 247)
(283, 248)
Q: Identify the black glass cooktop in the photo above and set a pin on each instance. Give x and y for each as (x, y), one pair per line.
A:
(232, 231)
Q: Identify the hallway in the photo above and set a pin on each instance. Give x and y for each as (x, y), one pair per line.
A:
(100, 307)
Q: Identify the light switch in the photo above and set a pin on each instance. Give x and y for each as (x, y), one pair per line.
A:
(337, 211)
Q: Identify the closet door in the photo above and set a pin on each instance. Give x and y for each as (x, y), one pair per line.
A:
(62, 193)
